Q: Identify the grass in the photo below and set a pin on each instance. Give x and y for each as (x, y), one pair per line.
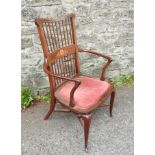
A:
(126, 80)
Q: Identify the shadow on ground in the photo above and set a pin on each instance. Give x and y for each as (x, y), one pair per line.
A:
(63, 134)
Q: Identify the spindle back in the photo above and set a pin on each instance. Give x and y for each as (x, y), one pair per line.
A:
(58, 40)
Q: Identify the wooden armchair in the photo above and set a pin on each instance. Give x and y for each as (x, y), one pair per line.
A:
(81, 95)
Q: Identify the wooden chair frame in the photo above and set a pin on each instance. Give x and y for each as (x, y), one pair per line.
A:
(58, 53)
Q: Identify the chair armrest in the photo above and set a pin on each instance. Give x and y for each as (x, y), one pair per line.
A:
(96, 53)
(101, 55)
(76, 85)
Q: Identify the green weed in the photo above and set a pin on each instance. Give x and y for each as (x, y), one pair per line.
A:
(123, 80)
(43, 98)
(26, 97)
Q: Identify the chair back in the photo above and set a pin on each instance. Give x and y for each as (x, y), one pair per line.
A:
(58, 40)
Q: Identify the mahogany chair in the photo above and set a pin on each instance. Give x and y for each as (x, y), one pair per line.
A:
(81, 95)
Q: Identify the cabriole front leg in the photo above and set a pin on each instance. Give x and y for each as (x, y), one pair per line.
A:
(86, 122)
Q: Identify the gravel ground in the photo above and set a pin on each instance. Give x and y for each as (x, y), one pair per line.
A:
(63, 134)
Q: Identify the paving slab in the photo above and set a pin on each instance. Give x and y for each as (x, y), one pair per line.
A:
(62, 134)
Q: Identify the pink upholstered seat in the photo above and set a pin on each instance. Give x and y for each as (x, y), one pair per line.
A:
(86, 96)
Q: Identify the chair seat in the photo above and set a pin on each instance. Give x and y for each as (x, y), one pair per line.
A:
(86, 96)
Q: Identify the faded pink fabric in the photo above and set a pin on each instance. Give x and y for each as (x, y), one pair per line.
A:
(90, 91)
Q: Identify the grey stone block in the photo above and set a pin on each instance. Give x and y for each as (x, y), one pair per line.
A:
(102, 25)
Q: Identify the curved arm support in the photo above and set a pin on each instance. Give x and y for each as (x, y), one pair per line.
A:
(76, 85)
(101, 55)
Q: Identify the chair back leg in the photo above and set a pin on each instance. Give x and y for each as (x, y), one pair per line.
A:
(52, 105)
(112, 102)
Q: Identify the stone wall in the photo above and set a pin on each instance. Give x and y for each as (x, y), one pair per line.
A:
(102, 25)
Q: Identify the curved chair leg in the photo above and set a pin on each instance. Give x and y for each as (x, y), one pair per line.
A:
(52, 105)
(86, 123)
(112, 102)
